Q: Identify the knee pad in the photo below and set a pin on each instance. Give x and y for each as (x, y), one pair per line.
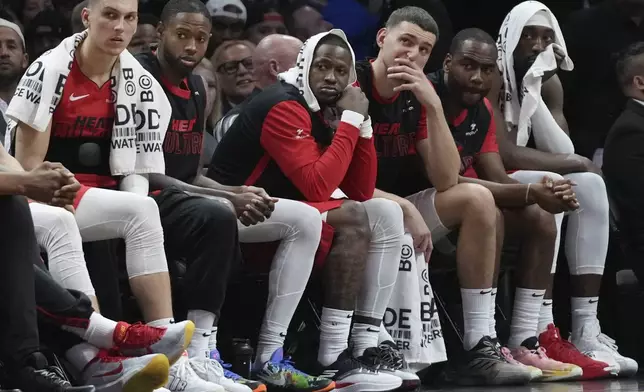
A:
(385, 215)
(145, 253)
(301, 218)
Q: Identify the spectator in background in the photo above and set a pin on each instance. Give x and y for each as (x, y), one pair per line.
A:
(13, 62)
(31, 8)
(146, 37)
(228, 21)
(623, 164)
(76, 18)
(593, 98)
(233, 61)
(45, 32)
(206, 70)
(304, 21)
(275, 54)
(263, 20)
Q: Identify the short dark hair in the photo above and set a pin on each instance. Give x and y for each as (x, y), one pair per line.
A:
(415, 15)
(148, 19)
(76, 17)
(174, 7)
(628, 66)
(332, 39)
(471, 34)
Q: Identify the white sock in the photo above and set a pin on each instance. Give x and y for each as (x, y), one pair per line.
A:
(161, 322)
(584, 314)
(80, 355)
(363, 336)
(99, 332)
(212, 342)
(334, 334)
(203, 320)
(271, 338)
(492, 320)
(525, 315)
(476, 312)
(384, 335)
(545, 316)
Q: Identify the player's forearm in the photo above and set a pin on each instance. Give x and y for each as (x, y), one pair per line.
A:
(9, 163)
(402, 202)
(162, 181)
(12, 183)
(505, 195)
(525, 158)
(443, 159)
(205, 182)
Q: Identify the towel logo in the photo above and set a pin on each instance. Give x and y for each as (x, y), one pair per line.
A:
(145, 82)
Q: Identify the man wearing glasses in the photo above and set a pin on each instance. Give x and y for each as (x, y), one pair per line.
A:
(234, 64)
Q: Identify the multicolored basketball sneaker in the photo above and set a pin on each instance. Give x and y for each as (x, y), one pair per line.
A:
(256, 386)
(279, 372)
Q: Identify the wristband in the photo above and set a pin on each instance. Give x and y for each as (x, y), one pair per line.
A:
(366, 131)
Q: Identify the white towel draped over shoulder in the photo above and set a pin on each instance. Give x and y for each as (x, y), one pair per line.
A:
(142, 110)
(521, 103)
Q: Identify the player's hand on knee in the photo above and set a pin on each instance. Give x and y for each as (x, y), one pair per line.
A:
(555, 196)
(269, 201)
(415, 225)
(249, 208)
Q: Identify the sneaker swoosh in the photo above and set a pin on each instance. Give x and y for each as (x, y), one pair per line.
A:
(483, 292)
(537, 295)
(590, 301)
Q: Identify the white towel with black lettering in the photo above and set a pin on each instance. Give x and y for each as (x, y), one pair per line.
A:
(142, 110)
(411, 317)
(520, 102)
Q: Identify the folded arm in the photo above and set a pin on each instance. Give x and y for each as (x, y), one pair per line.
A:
(286, 137)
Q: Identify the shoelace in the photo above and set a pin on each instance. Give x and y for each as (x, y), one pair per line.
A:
(506, 354)
(140, 333)
(607, 341)
(390, 356)
(288, 364)
(53, 377)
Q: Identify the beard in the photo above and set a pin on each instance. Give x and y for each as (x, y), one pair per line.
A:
(10, 77)
(177, 65)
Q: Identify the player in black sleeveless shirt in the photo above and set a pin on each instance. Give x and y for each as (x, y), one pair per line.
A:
(197, 228)
(415, 147)
(462, 85)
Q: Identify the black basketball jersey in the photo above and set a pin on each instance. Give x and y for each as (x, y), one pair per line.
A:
(398, 123)
(184, 137)
(473, 129)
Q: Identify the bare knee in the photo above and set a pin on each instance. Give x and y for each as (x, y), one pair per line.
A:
(539, 223)
(350, 219)
(477, 204)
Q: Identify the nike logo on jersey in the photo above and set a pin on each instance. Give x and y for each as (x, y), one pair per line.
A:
(72, 98)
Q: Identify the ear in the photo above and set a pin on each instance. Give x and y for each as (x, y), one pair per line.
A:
(638, 82)
(85, 17)
(380, 37)
(447, 63)
(273, 67)
(160, 28)
(25, 61)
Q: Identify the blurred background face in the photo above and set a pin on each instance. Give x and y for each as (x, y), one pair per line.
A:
(307, 22)
(206, 70)
(145, 39)
(226, 29)
(184, 41)
(112, 24)
(270, 23)
(13, 60)
(31, 8)
(234, 67)
(45, 32)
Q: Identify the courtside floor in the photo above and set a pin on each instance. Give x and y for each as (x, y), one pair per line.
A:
(630, 385)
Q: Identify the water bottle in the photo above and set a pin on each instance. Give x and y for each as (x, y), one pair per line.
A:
(243, 360)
